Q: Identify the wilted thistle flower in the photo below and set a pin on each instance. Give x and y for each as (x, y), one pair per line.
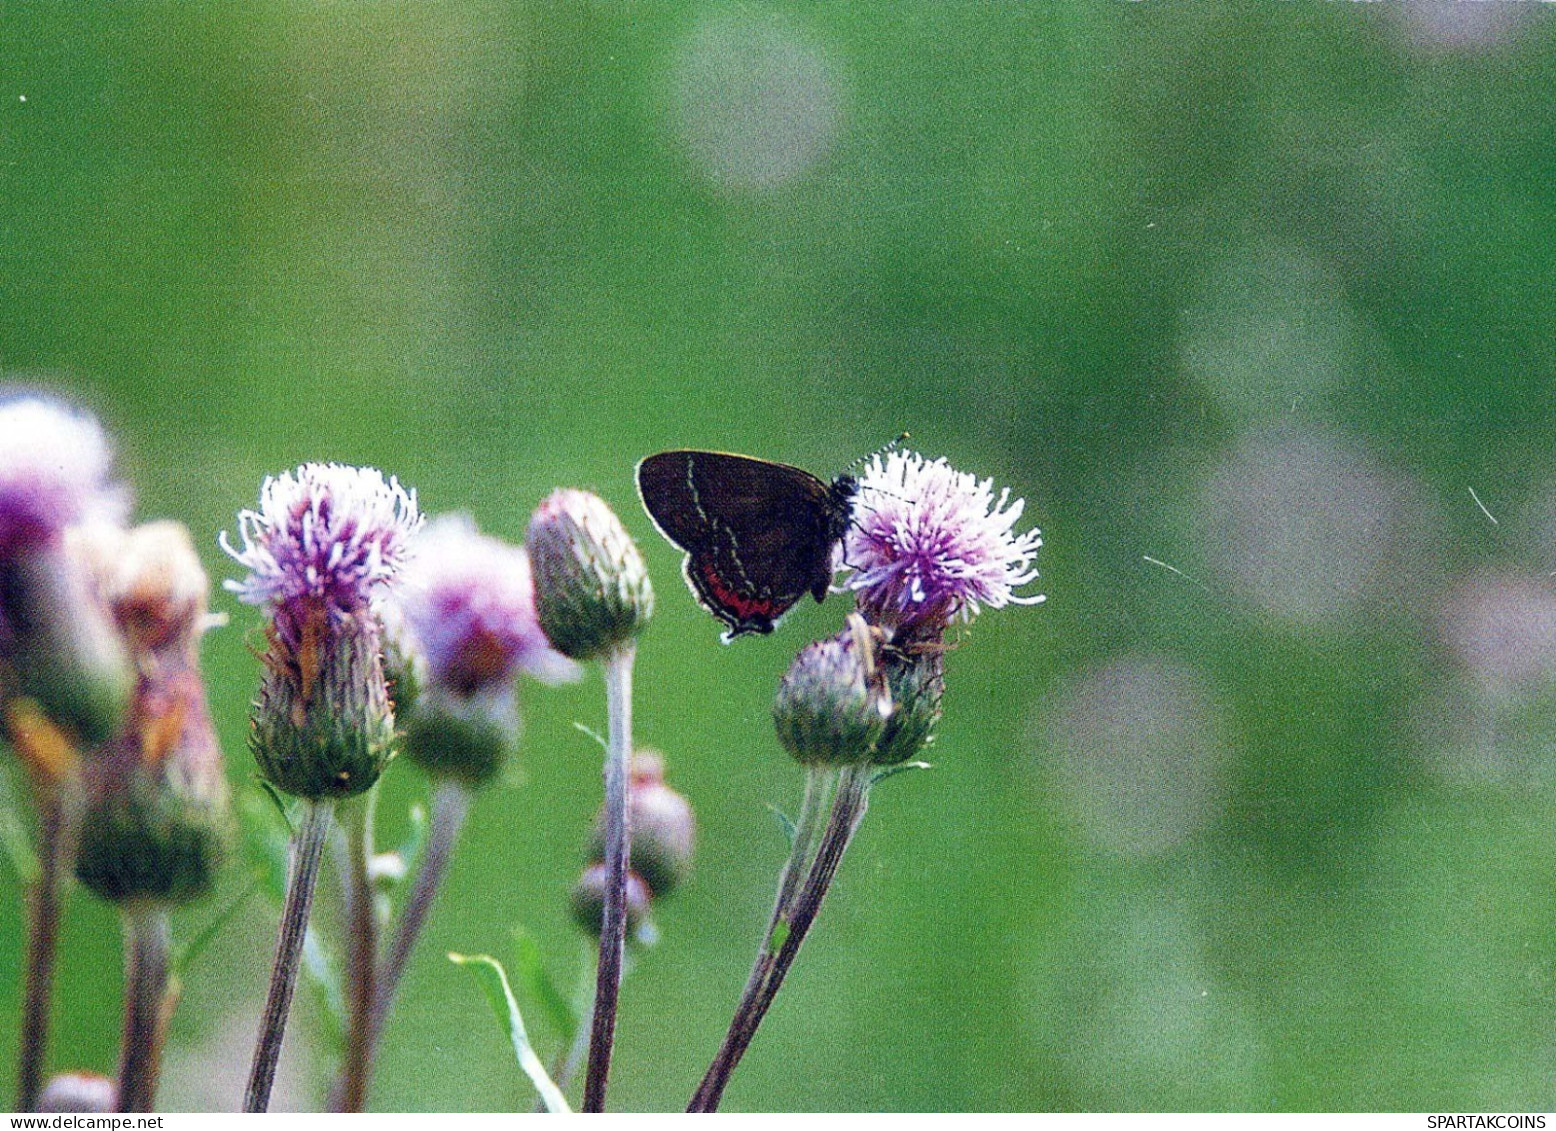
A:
(660, 822)
(323, 542)
(56, 646)
(592, 590)
(832, 705)
(930, 544)
(465, 617)
(157, 806)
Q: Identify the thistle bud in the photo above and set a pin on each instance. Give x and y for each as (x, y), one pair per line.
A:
(157, 819)
(589, 900)
(831, 707)
(323, 543)
(84, 1092)
(591, 587)
(660, 824)
(917, 684)
(323, 725)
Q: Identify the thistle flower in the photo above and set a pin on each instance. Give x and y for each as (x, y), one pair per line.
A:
(591, 586)
(464, 616)
(323, 543)
(151, 580)
(56, 647)
(931, 544)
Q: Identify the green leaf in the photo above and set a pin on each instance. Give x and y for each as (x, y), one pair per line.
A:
(594, 734)
(494, 982)
(538, 986)
(784, 823)
(186, 954)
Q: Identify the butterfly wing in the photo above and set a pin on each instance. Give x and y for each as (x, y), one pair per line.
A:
(758, 535)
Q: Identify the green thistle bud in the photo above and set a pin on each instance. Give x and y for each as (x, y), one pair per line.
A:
(917, 684)
(589, 900)
(464, 738)
(323, 725)
(157, 819)
(660, 823)
(831, 707)
(592, 590)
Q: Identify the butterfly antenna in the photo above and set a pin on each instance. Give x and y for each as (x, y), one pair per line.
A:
(881, 451)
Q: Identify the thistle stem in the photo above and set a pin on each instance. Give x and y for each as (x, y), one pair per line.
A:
(613, 932)
(147, 934)
(361, 957)
(820, 783)
(450, 805)
(59, 828)
(307, 848)
(792, 920)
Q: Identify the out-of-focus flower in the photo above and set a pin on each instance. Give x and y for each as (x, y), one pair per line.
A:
(57, 649)
(157, 815)
(79, 1092)
(55, 472)
(465, 625)
(589, 900)
(661, 825)
(325, 541)
(930, 544)
(468, 602)
(592, 590)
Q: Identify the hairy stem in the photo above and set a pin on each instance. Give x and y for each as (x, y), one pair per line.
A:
(307, 848)
(613, 931)
(147, 935)
(791, 923)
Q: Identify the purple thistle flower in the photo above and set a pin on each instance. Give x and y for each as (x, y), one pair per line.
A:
(55, 465)
(325, 541)
(467, 602)
(327, 533)
(930, 544)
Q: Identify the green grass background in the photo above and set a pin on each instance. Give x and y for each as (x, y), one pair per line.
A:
(1257, 290)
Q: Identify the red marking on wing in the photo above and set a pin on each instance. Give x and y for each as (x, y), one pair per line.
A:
(742, 606)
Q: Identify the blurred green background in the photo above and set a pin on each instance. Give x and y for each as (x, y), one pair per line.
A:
(1245, 299)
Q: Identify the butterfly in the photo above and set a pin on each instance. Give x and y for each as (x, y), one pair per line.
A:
(758, 535)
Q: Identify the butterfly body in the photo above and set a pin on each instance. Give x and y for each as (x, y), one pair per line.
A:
(758, 535)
